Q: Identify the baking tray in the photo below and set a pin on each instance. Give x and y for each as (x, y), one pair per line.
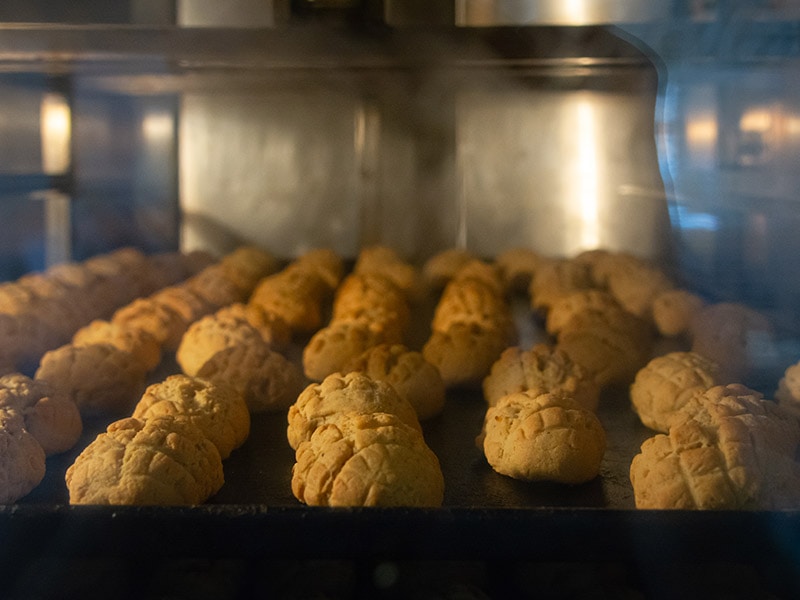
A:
(485, 517)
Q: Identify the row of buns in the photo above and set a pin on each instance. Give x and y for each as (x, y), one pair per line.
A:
(603, 316)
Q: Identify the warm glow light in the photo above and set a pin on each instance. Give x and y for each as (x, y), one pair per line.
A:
(756, 120)
(587, 185)
(55, 131)
(158, 126)
(702, 133)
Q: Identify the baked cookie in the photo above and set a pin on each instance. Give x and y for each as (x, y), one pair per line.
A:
(543, 437)
(730, 450)
(184, 301)
(611, 346)
(215, 286)
(407, 371)
(273, 329)
(296, 295)
(332, 347)
(674, 310)
(367, 460)
(385, 261)
(440, 268)
(667, 383)
(566, 307)
(339, 394)
(163, 323)
(219, 411)
(53, 419)
(22, 460)
(636, 284)
(325, 264)
(247, 265)
(733, 336)
(142, 345)
(266, 379)
(542, 368)
(101, 379)
(374, 298)
(486, 273)
(556, 279)
(207, 336)
(464, 354)
(164, 460)
(517, 267)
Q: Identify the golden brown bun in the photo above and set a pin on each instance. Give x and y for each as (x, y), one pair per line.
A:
(731, 450)
(268, 381)
(218, 410)
(164, 460)
(440, 268)
(332, 347)
(374, 298)
(162, 322)
(407, 371)
(667, 383)
(612, 346)
(540, 369)
(565, 308)
(788, 392)
(367, 460)
(543, 437)
(294, 294)
(100, 379)
(53, 419)
(22, 459)
(339, 394)
(207, 336)
(384, 261)
(181, 299)
(247, 265)
(138, 342)
(517, 267)
(558, 278)
(273, 329)
(635, 284)
(474, 303)
(464, 355)
(324, 264)
(214, 285)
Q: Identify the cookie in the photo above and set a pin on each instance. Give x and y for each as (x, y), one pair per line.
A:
(367, 460)
(543, 437)
(266, 379)
(667, 383)
(542, 368)
(22, 459)
(674, 310)
(464, 354)
(407, 371)
(731, 450)
(164, 460)
(163, 323)
(332, 347)
(340, 394)
(53, 419)
(217, 410)
(142, 345)
(101, 379)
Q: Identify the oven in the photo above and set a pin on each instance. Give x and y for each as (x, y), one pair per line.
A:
(669, 131)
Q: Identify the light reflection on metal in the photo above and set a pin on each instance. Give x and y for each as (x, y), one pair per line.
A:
(482, 13)
(158, 127)
(56, 134)
(587, 186)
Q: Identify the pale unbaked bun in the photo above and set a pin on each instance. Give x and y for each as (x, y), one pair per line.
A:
(165, 460)
(543, 437)
(731, 450)
(667, 383)
(412, 377)
(22, 459)
(367, 460)
(542, 368)
(217, 409)
(338, 394)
